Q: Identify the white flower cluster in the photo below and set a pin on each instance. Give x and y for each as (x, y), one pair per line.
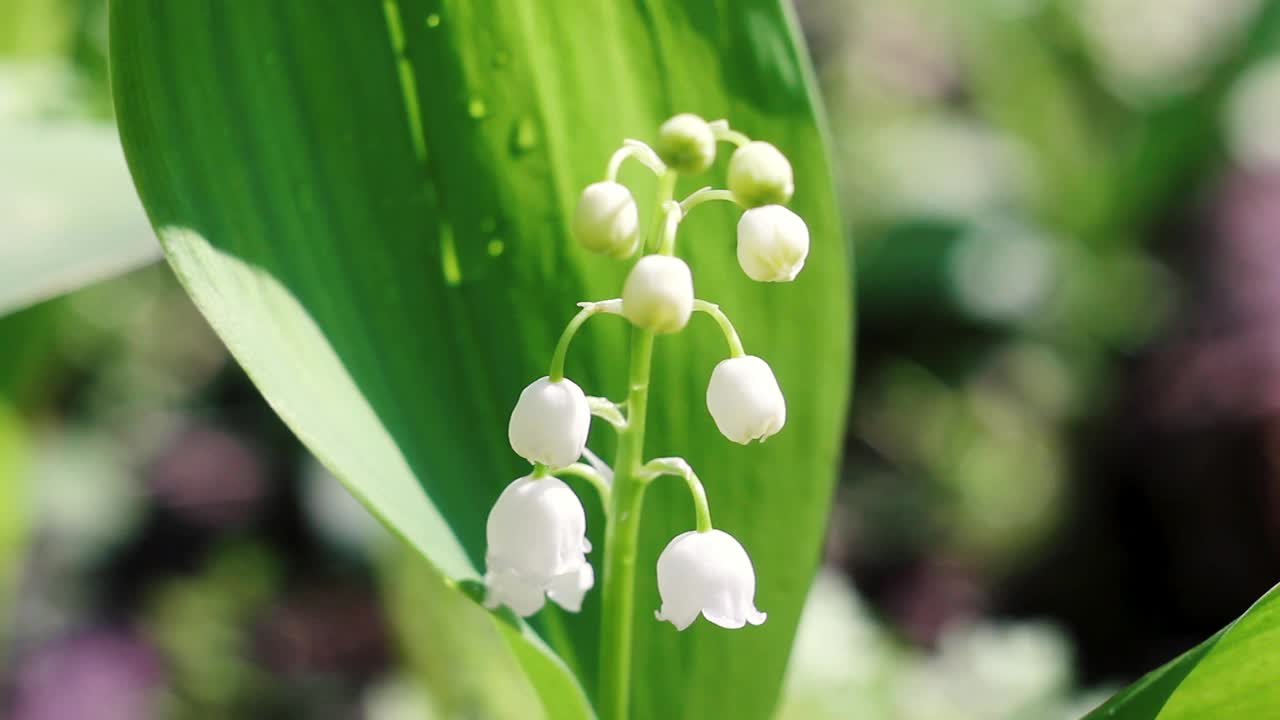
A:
(773, 241)
(536, 530)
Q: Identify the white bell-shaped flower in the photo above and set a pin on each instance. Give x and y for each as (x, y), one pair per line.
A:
(537, 547)
(773, 243)
(709, 573)
(658, 294)
(686, 143)
(606, 220)
(745, 400)
(550, 422)
(759, 174)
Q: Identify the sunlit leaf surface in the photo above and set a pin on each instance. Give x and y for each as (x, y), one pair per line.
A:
(68, 213)
(1233, 674)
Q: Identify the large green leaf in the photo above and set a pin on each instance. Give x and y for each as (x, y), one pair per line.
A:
(1233, 674)
(454, 651)
(369, 201)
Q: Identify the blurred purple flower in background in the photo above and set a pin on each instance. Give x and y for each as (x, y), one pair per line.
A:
(100, 673)
(209, 477)
(1224, 364)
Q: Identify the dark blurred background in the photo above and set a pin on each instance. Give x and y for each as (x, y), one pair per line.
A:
(1063, 462)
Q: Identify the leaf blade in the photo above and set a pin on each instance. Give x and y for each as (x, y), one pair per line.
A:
(371, 210)
(70, 215)
(1231, 674)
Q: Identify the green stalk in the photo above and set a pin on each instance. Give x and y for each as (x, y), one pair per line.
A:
(556, 373)
(621, 539)
(623, 530)
(726, 326)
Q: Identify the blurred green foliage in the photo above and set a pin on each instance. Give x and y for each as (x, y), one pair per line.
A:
(13, 503)
(204, 627)
(1006, 162)
(49, 36)
(848, 665)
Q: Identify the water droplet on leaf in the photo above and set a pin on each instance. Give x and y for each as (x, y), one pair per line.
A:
(433, 20)
(524, 136)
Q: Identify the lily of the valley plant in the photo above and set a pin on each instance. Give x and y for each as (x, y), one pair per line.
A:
(537, 529)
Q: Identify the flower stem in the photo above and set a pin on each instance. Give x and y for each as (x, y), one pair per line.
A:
(638, 150)
(621, 538)
(720, 129)
(706, 194)
(591, 475)
(556, 374)
(672, 213)
(726, 326)
(680, 468)
(623, 529)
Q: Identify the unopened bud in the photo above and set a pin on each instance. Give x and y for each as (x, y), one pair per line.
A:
(606, 220)
(550, 422)
(658, 294)
(760, 175)
(686, 143)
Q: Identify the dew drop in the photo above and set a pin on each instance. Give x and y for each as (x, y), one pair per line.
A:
(477, 109)
(433, 20)
(496, 247)
(524, 136)
(449, 257)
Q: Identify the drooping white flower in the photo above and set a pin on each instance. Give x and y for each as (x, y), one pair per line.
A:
(759, 174)
(709, 573)
(773, 243)
(658, 294)
(745, 400)
(606, 220)
(550, 422)
(686, 143)
(537, 547)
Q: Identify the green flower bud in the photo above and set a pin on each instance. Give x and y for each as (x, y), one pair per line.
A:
(760, 175)
(685, 143)
(658, 294)
(606, 220)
